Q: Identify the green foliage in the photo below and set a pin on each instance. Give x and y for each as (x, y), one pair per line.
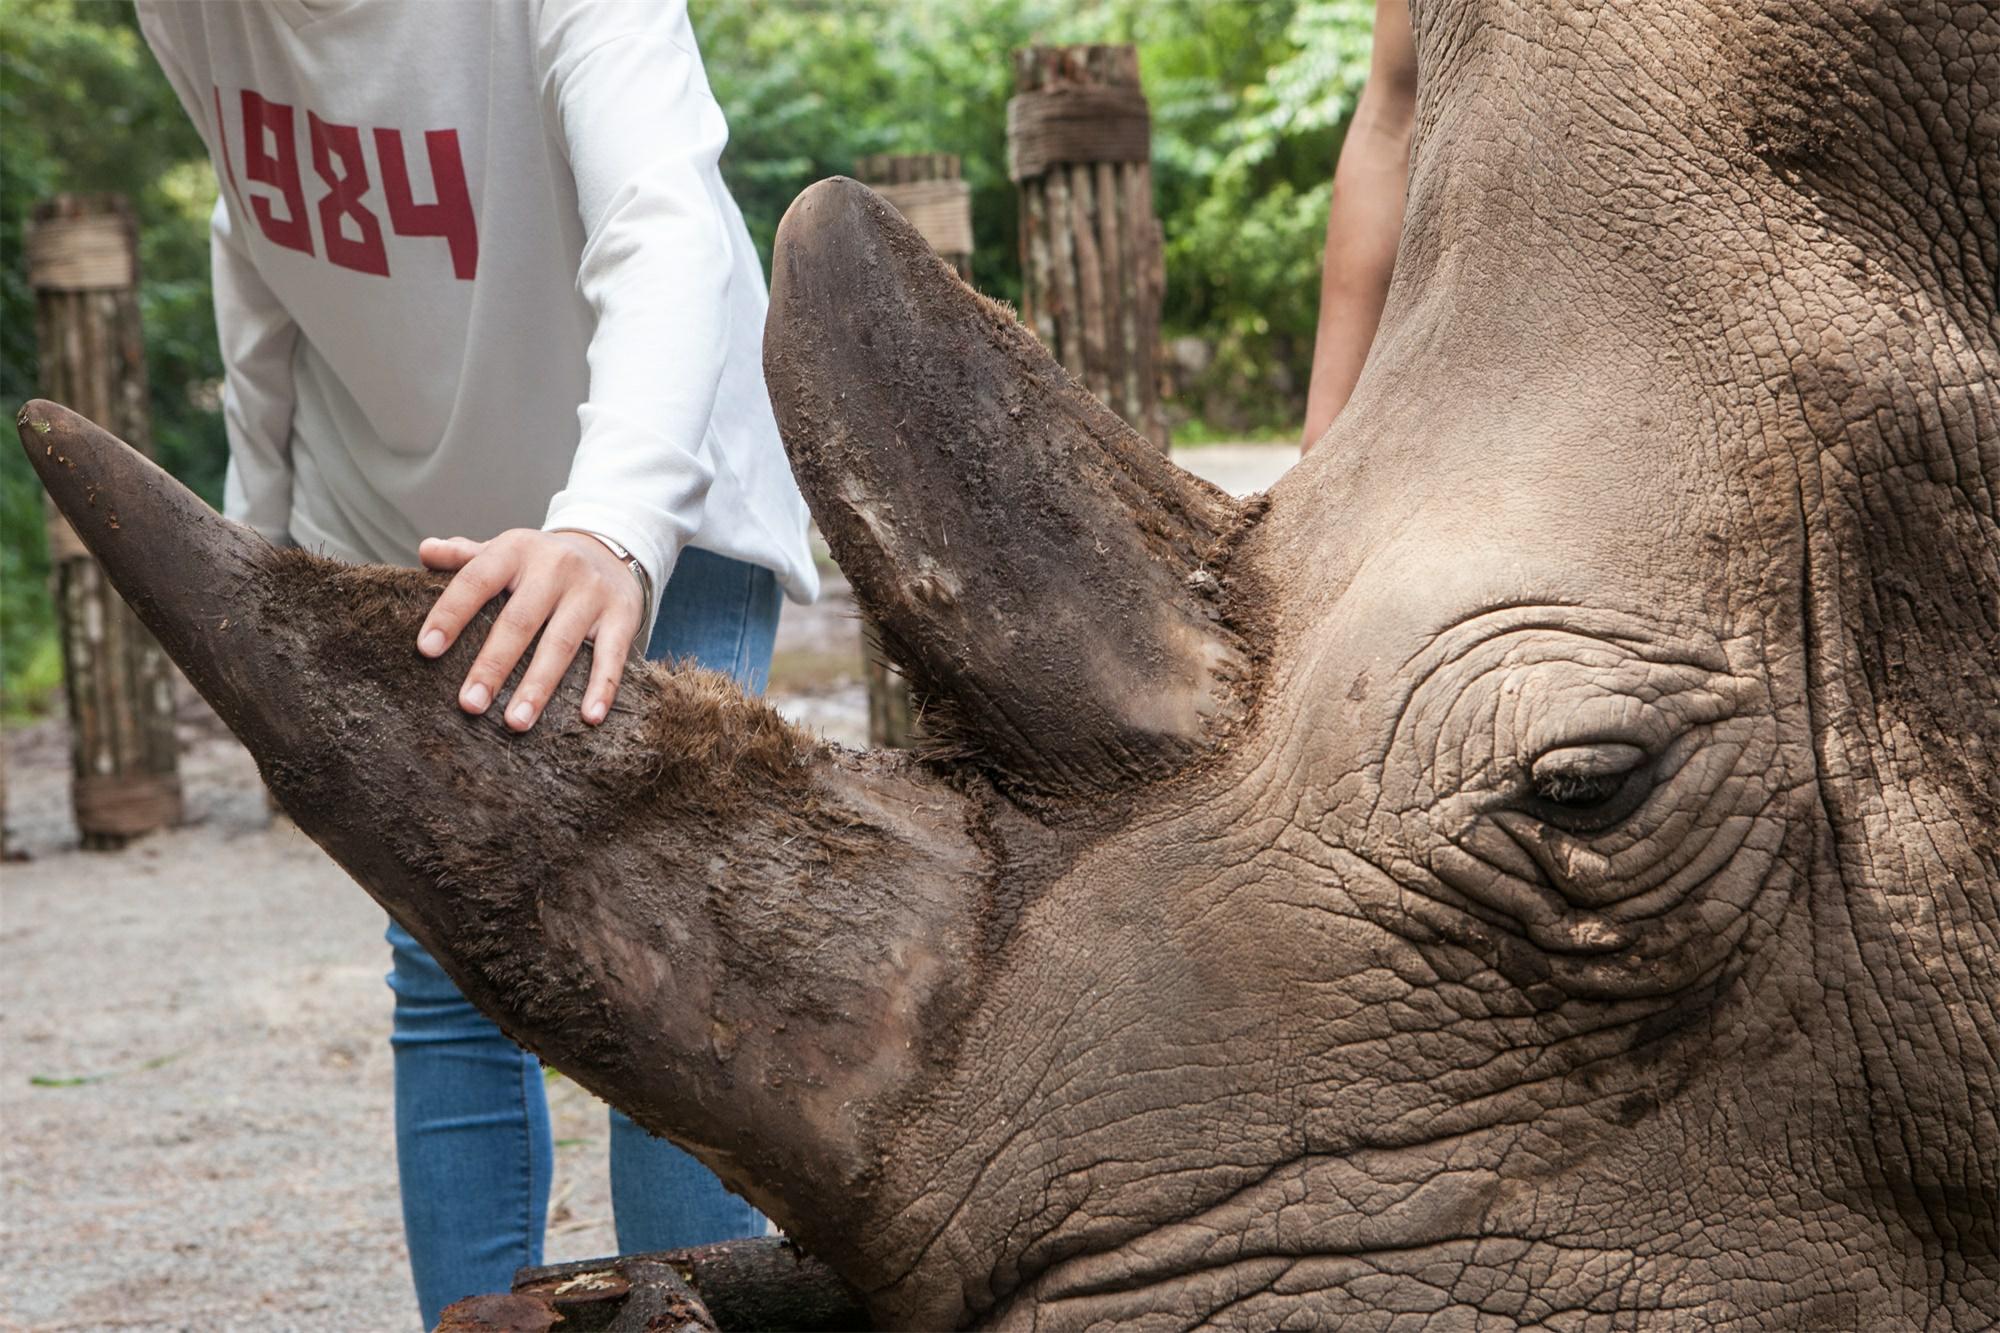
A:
(809, 88)
(1245, 178)
(83, 108)
(1249, 104)
(1250, 99)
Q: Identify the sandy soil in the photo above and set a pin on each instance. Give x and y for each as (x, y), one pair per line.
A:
(194, 1067)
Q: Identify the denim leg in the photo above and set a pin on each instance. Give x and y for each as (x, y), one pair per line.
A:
(472, 1138)
(472, 1122)
(721, 614)
(663, 1199)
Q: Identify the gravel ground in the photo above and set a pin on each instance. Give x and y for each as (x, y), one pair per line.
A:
(194, 1065)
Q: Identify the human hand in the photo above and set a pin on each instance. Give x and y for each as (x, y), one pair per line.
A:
(567, 586)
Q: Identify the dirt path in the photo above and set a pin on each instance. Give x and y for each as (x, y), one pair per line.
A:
(194, 1065)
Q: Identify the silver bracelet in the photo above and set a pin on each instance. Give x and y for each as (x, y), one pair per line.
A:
(618, 549)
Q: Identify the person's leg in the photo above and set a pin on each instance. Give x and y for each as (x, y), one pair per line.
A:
(662, 1199)
(721, 614)
(472, 1138)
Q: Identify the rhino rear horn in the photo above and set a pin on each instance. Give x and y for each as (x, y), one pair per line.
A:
(1046, 577)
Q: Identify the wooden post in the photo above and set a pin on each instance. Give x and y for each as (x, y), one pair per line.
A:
(765, 1282)
(925, 188)
(892, 708)
(83, 265)
(1079, 146)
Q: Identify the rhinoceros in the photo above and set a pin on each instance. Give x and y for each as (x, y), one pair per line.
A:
(1540, 864)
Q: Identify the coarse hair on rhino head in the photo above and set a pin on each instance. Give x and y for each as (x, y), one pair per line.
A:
(1540, 864)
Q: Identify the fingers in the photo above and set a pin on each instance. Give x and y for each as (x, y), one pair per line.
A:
(447, 553)
(513, 630)
(607, 663)
(561, 638)
(479, 580)
(566, 587)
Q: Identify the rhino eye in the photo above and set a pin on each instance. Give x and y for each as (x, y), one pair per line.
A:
(1589, 787)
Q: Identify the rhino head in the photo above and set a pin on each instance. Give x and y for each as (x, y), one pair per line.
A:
(1541, 863)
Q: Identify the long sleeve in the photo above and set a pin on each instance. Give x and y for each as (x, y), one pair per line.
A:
(257, 338)
(625, 86)
(476, 269)
(256, 334)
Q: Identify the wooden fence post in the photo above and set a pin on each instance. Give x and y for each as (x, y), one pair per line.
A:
(1079, 147)
(926, 189)
(83, 265)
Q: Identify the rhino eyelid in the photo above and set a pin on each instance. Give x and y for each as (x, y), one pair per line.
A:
(1587, 759)
(1587, 788)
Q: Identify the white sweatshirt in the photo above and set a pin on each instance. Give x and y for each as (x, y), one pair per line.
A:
(473, 255)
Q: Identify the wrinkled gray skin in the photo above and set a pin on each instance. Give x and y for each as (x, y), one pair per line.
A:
(1541, 867)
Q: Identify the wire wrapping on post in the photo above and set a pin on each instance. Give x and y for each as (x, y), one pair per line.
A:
(1066, 125)
(940, 210)
(92, 253)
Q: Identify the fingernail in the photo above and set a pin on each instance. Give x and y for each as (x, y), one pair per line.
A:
(594, 711)
(432, 643)
(476, 698)
(522, 712)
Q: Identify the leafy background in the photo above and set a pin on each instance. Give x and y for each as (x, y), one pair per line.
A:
(1250, 99)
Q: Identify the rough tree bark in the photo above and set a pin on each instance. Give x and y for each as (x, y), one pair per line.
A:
(743, 1284)
(83, 266)
(1092, 271)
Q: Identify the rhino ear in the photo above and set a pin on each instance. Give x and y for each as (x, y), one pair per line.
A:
(1050, 582)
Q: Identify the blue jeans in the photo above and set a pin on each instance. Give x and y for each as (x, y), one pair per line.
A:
(472, 1124)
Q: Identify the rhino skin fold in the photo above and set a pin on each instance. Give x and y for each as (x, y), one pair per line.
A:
(1539, 865)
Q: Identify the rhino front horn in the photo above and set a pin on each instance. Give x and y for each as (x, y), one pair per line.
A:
(1050, 582)
(743, 938)
(183, 567)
